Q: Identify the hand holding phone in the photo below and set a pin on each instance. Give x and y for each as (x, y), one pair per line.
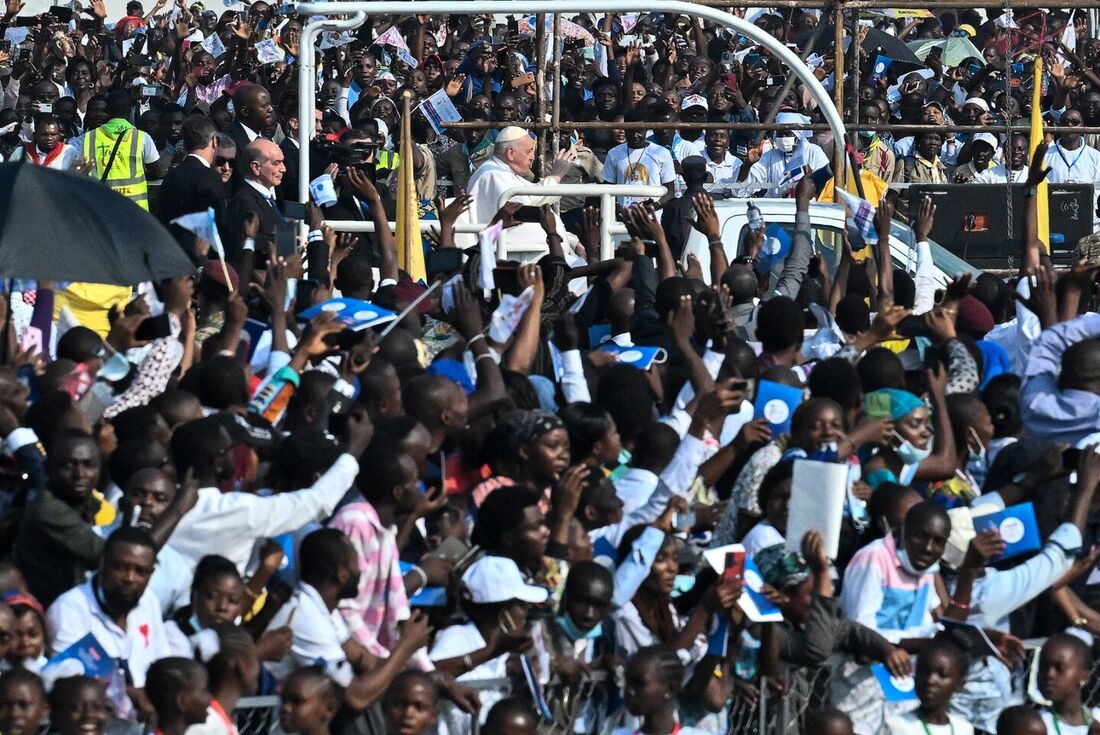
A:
(734, 568)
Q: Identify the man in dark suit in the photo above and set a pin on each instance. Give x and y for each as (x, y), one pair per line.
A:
(288, 119)
(254, 115)
(261, 166)
(193, 185)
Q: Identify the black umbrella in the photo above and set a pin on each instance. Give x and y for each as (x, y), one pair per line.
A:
(875, 42)
(61, 226)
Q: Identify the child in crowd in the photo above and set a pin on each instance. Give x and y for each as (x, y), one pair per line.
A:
(411, 705)
(28, 643)
(1065, 665)
(941, 671)
(653, 681)
(510, 716)
(178, 690)
(1020, 720)
(309, 702)
(78, 706)
(23, 705)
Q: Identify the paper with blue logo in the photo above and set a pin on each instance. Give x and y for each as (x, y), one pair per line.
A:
(88, 657)
(1017, 528)
(878, 71)
(555, 360)
(639, 357)
(775, 403)
(597, 333)
(89, 654)
(355, 313)
(896, 688)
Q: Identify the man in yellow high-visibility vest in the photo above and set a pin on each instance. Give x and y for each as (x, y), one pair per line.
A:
(119, 152)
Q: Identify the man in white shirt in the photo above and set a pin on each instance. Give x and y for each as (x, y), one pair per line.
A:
(637, 161)
(116, 606)
(48, 148)
(721, 165)
(481, 647)
(513, 154)
(234, 522)
(781, 166)
(1070, 160)
(1016, 167)
(330, 572)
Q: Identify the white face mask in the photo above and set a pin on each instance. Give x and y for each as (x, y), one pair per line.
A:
(907, 565)
(903, 559)
(979, 454)
(786, 143)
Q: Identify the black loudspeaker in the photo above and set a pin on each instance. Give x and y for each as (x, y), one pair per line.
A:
(972, 220)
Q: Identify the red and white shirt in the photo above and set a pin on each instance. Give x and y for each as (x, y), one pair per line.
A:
(62, 157)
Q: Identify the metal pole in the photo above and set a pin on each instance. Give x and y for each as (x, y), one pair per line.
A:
(853, 71)
(838, 91)
(894, 4)
(906, 129)
(755, 34)
(607, 216)
(307, 93)
(580, 190)
(555, 102)
(788, 85)
(540, 82)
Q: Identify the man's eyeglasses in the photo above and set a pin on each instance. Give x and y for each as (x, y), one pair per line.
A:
(223, 161)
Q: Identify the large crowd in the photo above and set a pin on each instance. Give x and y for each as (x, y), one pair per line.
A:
(510, 481)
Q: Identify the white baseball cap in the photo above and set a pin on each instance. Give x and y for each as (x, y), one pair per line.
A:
(977, 102)
(497, 579)
(695, 100)
(988, 138)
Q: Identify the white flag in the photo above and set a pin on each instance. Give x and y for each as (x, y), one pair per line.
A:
(506, 317)
(213, 45)
(392, 37)
(487, 249)
(202, 224)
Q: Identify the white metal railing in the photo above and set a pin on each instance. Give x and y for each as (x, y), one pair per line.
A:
(357, 11)
(606, 193)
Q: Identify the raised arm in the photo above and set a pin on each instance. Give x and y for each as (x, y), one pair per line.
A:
(1033, 247)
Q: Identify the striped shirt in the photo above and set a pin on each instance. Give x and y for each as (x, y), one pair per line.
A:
(372, 615)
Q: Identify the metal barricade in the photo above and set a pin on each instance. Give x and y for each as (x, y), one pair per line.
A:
(258, 716)
(768, 714)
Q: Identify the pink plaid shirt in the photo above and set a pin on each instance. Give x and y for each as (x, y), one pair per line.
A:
(372, 616)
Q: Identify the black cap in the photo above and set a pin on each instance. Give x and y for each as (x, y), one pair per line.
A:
(693, 166)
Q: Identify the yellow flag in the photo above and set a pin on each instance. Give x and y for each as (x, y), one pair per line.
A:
(1043, 207)
(410, 250)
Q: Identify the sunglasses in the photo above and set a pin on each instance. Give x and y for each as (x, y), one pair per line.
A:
(223, 161)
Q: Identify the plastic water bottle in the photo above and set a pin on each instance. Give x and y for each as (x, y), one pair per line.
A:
(756, 220)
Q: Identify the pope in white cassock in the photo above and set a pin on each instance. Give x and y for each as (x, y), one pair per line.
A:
(513, 154)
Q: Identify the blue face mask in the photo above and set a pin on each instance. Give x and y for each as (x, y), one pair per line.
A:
(910, 454)
(573, 632)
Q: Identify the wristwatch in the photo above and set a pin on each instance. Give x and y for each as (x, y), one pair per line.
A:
(1030, 191)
